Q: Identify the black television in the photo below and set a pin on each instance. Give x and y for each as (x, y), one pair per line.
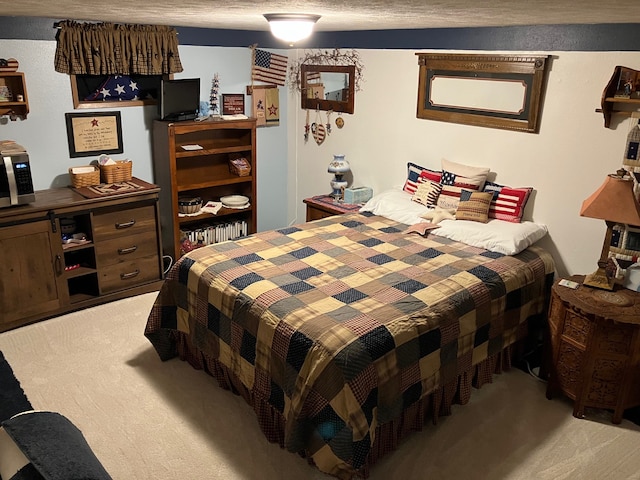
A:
(179, 99)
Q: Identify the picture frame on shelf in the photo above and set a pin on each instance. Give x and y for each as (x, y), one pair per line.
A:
(233, 104)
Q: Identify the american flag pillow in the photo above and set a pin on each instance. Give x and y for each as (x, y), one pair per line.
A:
(508, 203)
(455, 178)
(417, 174)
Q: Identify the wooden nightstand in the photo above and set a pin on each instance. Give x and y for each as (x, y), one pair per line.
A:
(322, 206)
(595, 343)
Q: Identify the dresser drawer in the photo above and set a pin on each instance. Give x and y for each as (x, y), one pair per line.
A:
(126, 248)
(129, 274)
(117, 223)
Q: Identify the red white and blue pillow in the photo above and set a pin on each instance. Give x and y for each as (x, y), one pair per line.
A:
(455, 178)
(417, 174)
(508, 203)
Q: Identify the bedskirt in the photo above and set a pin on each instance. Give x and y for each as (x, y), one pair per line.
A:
(388, 436)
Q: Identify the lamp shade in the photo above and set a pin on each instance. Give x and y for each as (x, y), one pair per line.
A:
(614, 201)
(291, 27)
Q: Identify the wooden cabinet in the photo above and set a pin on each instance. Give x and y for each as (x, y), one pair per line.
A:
(191, 159)
(42, 276)
(18, 105)
(595, 343)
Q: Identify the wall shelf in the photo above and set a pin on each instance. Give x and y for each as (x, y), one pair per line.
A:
(613, 102)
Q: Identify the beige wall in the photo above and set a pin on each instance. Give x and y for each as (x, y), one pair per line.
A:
(565, 162)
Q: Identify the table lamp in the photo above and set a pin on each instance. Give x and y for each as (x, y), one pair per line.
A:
(339, 167)
(614, 202)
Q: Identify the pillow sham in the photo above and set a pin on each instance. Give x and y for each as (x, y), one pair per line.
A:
(474, 206)
(455, 178)
(496, 236)
(508, 203)
(417, 174)
(427, 193)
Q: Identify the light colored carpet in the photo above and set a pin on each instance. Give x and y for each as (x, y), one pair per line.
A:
(146, 419)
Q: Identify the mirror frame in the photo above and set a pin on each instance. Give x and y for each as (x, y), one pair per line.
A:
(530, 71)
(326, 105)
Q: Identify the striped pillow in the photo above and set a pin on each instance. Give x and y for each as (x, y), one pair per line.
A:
(427, 193)
(417, 174)
(508, 203)
(474, 206)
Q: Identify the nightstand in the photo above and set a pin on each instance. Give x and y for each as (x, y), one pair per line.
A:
(322, 206)
(595, 347)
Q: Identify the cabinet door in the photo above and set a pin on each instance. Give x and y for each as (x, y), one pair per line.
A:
(29, 257)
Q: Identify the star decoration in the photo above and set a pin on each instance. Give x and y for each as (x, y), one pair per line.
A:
(273, 110)
(120, 89)
(133, 86)
(438, 214)
(105, 93)
(94, 122)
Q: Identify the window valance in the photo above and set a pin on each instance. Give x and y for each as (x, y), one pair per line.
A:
(108, 49)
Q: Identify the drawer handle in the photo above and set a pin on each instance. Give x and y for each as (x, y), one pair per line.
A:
(124, 251)
(125, 225)
(126, 276)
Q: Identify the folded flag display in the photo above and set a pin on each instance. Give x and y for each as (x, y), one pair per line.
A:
(116, 88)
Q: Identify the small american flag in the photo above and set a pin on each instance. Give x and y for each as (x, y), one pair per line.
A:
(269, 67)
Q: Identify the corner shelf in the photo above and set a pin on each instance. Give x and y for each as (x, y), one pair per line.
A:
(617, 105)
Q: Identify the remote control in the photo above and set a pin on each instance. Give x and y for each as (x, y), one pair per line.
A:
(568, 283)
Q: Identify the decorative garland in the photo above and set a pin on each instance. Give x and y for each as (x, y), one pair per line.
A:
(326, 57)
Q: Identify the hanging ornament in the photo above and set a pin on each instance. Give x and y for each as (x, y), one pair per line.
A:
(339, 121)
(329, 112)
(306, 128)
(319, 132)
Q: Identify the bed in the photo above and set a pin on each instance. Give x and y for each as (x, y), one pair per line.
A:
(347, 333)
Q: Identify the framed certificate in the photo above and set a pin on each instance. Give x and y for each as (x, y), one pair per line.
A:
(93, 133)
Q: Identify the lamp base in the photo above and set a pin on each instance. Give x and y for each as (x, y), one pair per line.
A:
(599, 279)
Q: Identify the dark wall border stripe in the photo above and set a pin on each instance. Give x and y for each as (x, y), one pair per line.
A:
(597, 37)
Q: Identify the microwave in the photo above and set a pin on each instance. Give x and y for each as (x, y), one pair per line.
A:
(16, 184)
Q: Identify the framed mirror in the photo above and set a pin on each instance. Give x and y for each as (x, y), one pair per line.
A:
(496, 91)
(328, 87)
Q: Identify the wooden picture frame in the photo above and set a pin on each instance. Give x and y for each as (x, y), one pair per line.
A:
(495, 91)
(94, 133)
(232, 104)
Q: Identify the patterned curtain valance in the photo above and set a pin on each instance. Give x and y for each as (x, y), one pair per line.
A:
(108, 49)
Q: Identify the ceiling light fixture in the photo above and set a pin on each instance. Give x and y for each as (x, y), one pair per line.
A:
(291, 27)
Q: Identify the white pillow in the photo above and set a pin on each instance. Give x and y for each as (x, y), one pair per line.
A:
(497, 236)
(396, 204)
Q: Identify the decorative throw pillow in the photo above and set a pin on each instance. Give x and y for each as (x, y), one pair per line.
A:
(427, 193)
(474, 206)
(507, 203)
(455, 177)
(417, 174)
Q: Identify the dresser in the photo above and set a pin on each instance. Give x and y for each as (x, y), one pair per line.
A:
(116, 253)
(595, 346)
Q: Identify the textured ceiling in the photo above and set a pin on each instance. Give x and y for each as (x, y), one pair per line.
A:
(337, 15)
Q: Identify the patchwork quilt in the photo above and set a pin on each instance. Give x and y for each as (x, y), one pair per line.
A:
(342, 323)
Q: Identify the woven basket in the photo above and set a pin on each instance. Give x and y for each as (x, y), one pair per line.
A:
(118, 172)
(79, 180)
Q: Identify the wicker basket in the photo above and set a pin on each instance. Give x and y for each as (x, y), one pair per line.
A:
(118, 172)
(87, 179)
(240, 166)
